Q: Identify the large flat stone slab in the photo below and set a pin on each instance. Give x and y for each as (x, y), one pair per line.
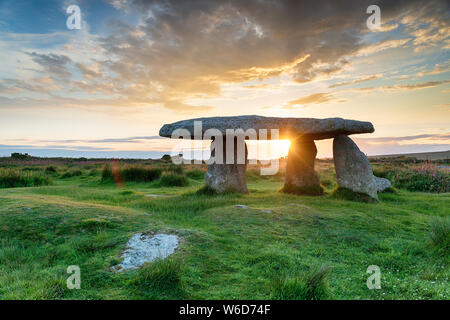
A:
(143, 248)
(315, 129)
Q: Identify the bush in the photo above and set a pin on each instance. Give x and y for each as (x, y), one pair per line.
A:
(176, 169)
(311, 286)
(195, 174)
(10, 178)
(70, 174)
(166, 157)
(174, 180)
(139, 174)
(20, 156)
(440, 234)
(50, 169)
(107, 173)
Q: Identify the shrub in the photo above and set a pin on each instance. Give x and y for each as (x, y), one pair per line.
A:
(10, 178)
(72, 173)
(20, 156)
(50, 169)
(174, 180)
(311, 286)
(93, 172)
(107, 173)
(195, 174)
(440, 234)
(166, 157)
(139, 174)
(176, 169)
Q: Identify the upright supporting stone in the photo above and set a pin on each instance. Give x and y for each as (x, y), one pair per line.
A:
(300, 175)
(228, 177)
(353, 170)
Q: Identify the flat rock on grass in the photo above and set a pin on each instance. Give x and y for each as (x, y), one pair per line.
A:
(143, 248)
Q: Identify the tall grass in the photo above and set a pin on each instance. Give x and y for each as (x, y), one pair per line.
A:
(132, 173)
(161, 280)
(311, 286)
(174, 180)
(440, 234)
(139, 174)
(13, 178)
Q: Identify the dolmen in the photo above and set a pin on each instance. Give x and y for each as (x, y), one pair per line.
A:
(227, 165)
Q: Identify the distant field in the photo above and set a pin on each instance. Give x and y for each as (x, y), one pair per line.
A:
(272, 249)
(432, 156)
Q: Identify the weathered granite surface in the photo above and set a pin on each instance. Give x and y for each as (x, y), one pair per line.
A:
(382, 184)
(353, 170)
(300, 175)
(227, 177)
(316, 129)
(143, 248)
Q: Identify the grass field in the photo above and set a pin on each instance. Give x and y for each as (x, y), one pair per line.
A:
(280, 246)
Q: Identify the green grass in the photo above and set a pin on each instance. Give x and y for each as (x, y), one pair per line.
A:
(310, 286)
(269, 250)
(173, 180)
(13, 178)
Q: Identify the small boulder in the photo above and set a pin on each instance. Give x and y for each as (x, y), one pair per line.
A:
(353, 170)
(382, 184)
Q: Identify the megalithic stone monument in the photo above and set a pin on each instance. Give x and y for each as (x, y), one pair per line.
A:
(300, 175)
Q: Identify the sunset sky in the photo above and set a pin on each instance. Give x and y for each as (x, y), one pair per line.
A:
(106, 89)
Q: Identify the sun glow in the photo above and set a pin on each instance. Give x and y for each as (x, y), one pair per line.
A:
(271, 149)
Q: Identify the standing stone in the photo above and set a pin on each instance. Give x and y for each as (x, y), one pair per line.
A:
(228, 177)
(353, 170)
(300, 175)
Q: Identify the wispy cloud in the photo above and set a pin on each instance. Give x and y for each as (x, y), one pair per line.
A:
(314, 98)
(356, 81)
